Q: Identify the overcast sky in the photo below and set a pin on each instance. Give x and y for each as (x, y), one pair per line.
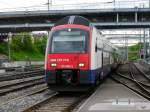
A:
(24, 3)
(6, 5)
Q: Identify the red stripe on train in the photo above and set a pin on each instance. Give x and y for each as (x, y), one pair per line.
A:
(68, 61)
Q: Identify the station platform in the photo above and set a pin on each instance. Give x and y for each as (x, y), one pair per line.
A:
(113, 97)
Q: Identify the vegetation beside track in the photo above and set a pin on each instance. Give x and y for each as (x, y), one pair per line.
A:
(135, 51)
(24, 47)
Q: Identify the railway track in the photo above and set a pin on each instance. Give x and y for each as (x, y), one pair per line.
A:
(19, 93)
(134, 80)
(144, 74)
(5, 84)
(43, 100)
(15, 85)
(12, 76)
(60, 102)
(26, 68)
(21, 103)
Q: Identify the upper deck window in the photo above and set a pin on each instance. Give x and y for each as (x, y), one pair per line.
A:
(69, 41)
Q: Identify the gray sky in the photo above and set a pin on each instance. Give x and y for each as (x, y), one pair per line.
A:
(25, 3)
(8, 5)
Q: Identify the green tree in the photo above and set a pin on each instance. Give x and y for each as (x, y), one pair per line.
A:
(22, 41)
(24, 46)
(40, 44)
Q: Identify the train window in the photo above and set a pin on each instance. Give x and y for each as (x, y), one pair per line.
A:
(96, 45)
(69, 41)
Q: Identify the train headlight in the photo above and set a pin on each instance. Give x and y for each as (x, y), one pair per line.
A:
(53, 64)
(81, 64)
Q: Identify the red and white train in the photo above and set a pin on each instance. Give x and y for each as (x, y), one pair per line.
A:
(77, 55)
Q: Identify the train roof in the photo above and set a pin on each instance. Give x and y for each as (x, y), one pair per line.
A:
(73, 20)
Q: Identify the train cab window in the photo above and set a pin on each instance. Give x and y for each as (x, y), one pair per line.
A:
(69, 41)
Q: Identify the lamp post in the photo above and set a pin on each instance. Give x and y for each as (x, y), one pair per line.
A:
(48, 5)
(48, 8)
(9, 37)
(149, 34)
(144, 45)
(114, 3)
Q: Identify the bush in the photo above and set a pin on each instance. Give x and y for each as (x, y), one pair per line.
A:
(23, 46)
(3, 48)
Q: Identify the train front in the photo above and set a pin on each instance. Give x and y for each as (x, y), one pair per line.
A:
(68, 57)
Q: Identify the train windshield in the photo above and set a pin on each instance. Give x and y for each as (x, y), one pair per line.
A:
(69, 41)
